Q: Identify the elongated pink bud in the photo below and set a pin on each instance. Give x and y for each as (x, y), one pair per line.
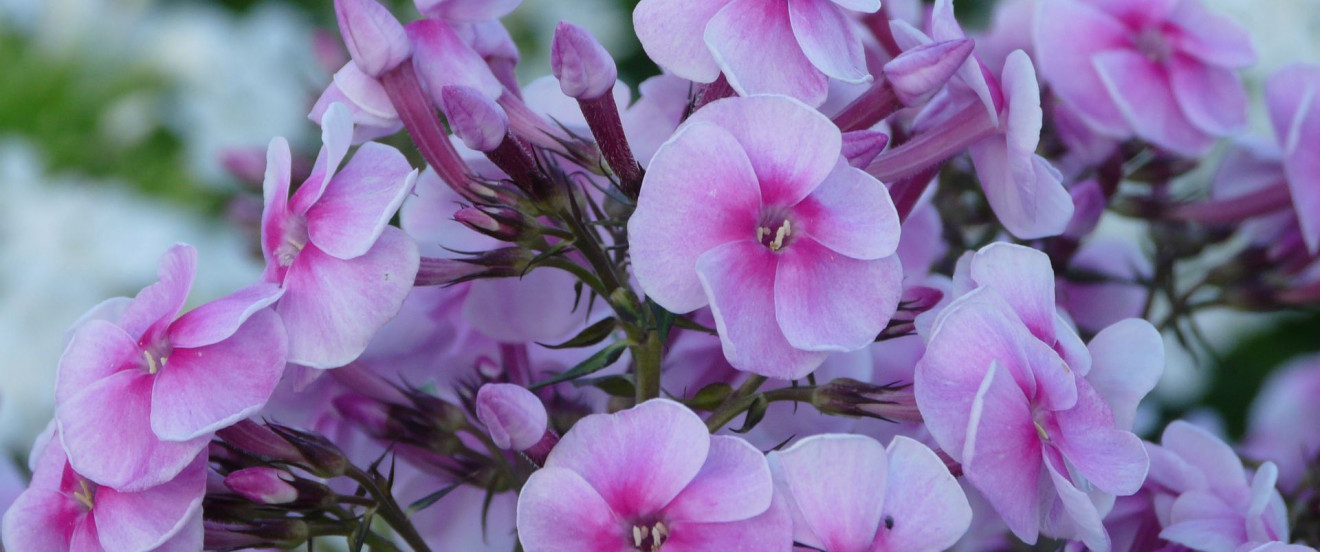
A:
(584, 68)
(860, 147)
(374, 37)
(263, 485)
(479, 122)
(919, 73)
(514, 416)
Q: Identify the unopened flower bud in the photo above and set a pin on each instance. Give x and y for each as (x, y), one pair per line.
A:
(263, 485)
(584, 68)
(260, 441)
(374, 38)
(514, 416)
(281, 533)
(497, 263)
(860, 147)
(849, 397)
(500, 223)
(480, 123)
(919, 73)
(324, 459)
(365, 412)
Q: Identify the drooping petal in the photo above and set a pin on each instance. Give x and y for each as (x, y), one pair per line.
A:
(190, 537)
(106, 430)
(754, 45)
(336, 137)
(157, 304)
(789, 166)
(331, 307)
(215, 321)
(1065, 55)
(739, 278)
(637, 459)
(826, 37)
(734, 484)
(97, 350)
(1082, 513)
(41, 520)
(838, 484)
(1211, 97)
(1143, 93)
(1025, 192)
(851, 213)
(771, 531)
(1202, 521)
(673, 34)
(1211, 37)
(145, 520)
(1113, 460)
(928, 509)
(1024, 278)
(200, 390)
(559, 510)
(1002, 455)
(360, 201)
(1127, 361)
(825, 301)
(275, 212)
(700, 192)
(1209, 455)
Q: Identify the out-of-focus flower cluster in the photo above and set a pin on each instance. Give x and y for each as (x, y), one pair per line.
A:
(830, 282)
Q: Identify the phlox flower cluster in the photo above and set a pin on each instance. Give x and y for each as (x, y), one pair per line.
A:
(831, 280)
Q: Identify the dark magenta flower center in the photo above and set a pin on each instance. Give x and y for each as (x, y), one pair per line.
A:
(648, 536)
(775, 230)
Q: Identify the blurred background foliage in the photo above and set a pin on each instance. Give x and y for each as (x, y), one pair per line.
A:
(99, 115)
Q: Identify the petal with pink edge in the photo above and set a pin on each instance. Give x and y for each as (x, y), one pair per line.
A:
(106, 430)
(754, 45)
(331, 307)
(275, 213)
(1022, 276)
(838, 484)
(825, 301)
(700, 192)
(928, 509)
(771, 531)
(1211, 97)
(360, 201)
(157, 304)
(41, 520)
(1208, 454)
(1144, 94)
(826, 37)
(190, 537)
(145, 520)
(216, 321)
(1065, 55)
(637, 459)
(1211, 37)
(559, 510)
(851, 213)
(734, 484)
(336, 137)
(672, 31)
(739, 278)
(789, 166)
(1002, 456)
(1127, 360)
(201, 390)
(1113, 460)
(442, 58)
(98, 350)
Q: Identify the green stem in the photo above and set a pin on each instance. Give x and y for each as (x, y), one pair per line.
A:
(647, 357)
(389, 510)
(743, 398)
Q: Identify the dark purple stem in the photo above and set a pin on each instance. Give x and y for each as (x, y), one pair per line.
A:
(419, 117)
(873, 106)
(603, 117)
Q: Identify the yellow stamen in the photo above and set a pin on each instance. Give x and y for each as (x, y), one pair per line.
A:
(1040, 430)
(152, 367)
(784, 231)
(84, 495)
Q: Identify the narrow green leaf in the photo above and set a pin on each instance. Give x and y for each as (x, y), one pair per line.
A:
(711, 396)
(595, 363)
(754, 414)
(594, 334)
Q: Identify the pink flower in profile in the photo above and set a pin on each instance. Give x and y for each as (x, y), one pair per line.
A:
(138, 398)
(1040, 422)
(850, 494)
(792, 248)
(64, 511)
(1163, 70)
(344, 270)
(791, 47)
(652, 478)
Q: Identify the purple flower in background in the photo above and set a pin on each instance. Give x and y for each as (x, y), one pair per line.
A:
(139, 397)
(1274, 432)
(1163, 70)
(344, 270)
(850, 494)
(791, 247)
(1041, 423)
(64, 511)
(790, 47)
(651, 478)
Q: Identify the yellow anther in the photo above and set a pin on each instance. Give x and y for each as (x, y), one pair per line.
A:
(152, 367)
(1040, 430)
(785, 230)
(84, 494)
